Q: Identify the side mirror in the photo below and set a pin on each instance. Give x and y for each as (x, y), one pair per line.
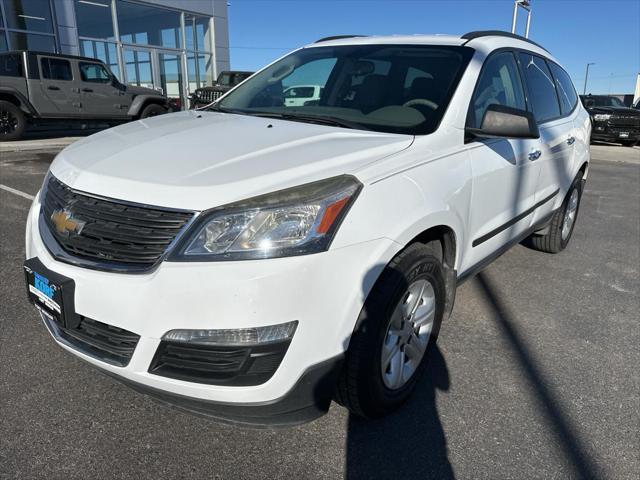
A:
(500, 121)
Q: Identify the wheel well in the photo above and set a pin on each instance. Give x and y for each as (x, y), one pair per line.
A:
(10, 98)
(447, 238)
(584, 170)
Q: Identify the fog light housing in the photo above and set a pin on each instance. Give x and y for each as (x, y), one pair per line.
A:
(231, 357)
(236, 337)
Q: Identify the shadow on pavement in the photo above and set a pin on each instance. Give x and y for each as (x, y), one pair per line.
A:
(568, 438)
(407, 444)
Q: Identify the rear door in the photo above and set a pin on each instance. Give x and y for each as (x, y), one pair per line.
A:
(504, 176)
(99, 94)
(556, 133)
(59, 94)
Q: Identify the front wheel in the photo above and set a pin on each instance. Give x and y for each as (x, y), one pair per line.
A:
(153, 110)
(562, 223)
(12, 121)
(395, 332)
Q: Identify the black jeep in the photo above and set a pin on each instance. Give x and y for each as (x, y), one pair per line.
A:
(225, 82)
(43, 88)
(612, 120)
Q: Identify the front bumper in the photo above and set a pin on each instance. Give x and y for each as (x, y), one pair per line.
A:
(323, 293)
(605, 132)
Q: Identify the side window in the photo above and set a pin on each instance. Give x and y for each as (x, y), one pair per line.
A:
(541, 87)
(56, 69)
(566, 90)
(499, 84)
(11, 65)
(94, 72)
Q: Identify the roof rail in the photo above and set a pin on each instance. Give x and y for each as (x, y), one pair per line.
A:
(498, 33)
(338, 37)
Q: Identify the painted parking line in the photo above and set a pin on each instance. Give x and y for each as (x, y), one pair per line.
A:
(16, 192)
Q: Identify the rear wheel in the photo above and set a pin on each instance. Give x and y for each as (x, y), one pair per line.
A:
(562, 223)
(12, 121)
(153, 110)
(397, 327)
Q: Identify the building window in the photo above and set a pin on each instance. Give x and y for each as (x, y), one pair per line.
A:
(107, 52)
(31, 15)
(3, 42)
(197, 33)
(32, 41)
(94, 19)
(145, 25)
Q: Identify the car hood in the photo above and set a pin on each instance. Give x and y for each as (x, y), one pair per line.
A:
(142, 90)
(199, 160)
(627, 112)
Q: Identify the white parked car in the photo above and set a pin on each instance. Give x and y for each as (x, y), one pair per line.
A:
(299, 95)
(257, 260)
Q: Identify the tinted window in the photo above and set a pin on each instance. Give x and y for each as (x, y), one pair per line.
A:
(566, 91)
(11, 65)
(94, 72)
(32, 41)
(297, 92)
(499, 84)
(56, 69)
(94, 18)
(31, 15)
(541, 87)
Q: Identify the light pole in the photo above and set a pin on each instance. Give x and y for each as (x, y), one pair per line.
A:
(586, 78)
(525, 4)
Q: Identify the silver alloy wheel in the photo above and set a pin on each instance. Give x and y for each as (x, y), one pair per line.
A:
(408, 334)
(570, 214)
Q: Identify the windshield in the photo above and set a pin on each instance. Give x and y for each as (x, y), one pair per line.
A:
(603, 102)
(389, 88)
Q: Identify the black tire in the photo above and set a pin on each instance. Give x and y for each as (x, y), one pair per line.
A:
(153, 110)
(12, 121)
(361, 388)
(628, 143)
(552, 241)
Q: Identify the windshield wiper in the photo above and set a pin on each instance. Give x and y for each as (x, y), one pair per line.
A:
(320, 120)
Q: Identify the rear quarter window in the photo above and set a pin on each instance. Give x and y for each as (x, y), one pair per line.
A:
(11, 65)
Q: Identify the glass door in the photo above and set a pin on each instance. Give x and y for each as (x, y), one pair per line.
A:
(171, 77)
(138, 67)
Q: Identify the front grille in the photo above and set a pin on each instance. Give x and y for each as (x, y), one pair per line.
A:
(114, 232)
(105, 342)
(625, 121)
(218, 365)
(207, 95)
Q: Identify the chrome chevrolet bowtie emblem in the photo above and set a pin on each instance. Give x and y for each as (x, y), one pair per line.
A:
(65, 223)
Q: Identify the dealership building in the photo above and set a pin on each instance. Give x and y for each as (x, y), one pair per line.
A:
(173, 45)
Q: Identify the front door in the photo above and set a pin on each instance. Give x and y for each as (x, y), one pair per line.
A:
(100, 95)
(505, 173)
(59, 94)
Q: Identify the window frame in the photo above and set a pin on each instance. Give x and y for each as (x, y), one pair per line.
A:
(48, 57)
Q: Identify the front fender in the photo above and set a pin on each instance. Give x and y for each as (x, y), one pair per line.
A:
(140, 101)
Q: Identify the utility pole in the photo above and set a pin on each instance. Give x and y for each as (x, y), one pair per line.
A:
(586, 78)
(526, 5)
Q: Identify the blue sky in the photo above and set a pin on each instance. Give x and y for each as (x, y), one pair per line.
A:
(606, 32)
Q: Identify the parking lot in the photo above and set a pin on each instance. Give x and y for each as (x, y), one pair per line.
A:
(536, 375)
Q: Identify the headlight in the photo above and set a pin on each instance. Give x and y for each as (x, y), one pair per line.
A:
(601, 117)
(295, 221)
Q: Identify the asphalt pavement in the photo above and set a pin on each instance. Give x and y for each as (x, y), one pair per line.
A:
(536, 374)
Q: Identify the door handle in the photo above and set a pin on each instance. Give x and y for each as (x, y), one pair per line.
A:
(53, 87)
(88, 90)
(535, 154)
(571, 140)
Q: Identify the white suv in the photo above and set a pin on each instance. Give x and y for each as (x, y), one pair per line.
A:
(253, 261)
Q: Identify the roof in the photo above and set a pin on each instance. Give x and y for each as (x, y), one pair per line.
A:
(49, 54)
(485, 41)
